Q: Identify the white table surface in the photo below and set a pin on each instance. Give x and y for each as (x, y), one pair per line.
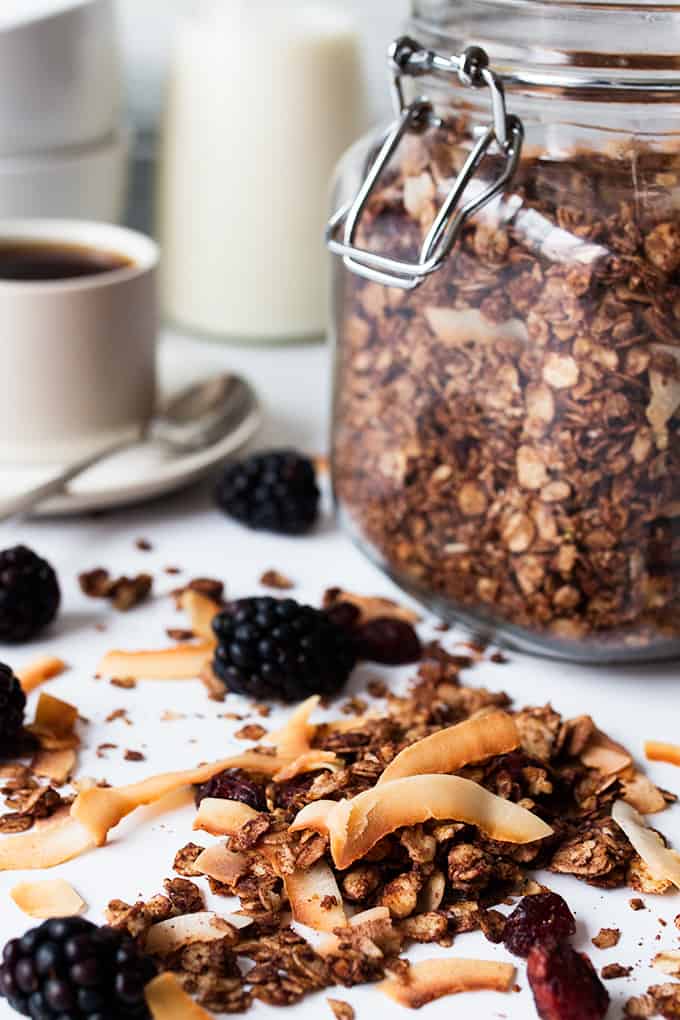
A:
(630, 704)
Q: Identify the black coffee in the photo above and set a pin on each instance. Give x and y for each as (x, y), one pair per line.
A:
(47, 260)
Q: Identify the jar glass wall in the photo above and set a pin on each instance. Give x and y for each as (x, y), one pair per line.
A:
(506, 435)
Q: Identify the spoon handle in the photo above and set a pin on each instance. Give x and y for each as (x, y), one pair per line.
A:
(30, 498)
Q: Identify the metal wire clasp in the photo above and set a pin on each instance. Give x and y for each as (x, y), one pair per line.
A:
(505, 133)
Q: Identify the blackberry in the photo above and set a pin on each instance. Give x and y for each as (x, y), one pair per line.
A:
(271, 648)
(274, 491)
(29, 594)
(69, 969)
(12, 705)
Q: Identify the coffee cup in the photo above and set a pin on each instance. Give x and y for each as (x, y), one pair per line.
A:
(78, 317)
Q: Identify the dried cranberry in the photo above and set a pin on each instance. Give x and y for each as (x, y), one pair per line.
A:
(538, 919)
(344, 614)
(388, 641)
(233, 785)
(565, 984)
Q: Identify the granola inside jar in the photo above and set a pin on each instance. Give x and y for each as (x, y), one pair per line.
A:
(507, 402)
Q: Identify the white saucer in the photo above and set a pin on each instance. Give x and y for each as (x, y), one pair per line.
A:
(144, 472)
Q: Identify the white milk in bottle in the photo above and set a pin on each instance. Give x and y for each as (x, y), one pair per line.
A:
(262, 100)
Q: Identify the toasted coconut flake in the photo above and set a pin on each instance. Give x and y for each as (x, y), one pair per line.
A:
(50, 898)
(315, 816)
(605, 755)
(223, 817)
(315, 898)
(177, 932)
(311, 761)
(641, 793)
(432, 979)
(39, 672)
(668, 962)
(55, 765)
(184, 662)
(167, 1000)
(222, 864)
(295, 739)
(663, 864)
(201, 611)
(49, 843)
(100, 810)
(355, 826)
(54, 725)
(371, 607)
(655, 750)
(451, 749)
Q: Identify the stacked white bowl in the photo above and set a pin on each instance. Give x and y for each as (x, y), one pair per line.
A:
(63, 143)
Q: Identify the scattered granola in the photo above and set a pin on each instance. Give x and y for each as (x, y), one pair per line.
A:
(124, 592)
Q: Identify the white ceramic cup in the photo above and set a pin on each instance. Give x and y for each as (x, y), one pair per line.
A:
(77, 356)
(60, 74)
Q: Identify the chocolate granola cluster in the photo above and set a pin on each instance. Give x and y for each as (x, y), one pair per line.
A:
(506, 436)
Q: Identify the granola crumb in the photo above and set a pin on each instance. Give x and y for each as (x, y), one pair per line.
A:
(612, 971)
(143, 544)
(606, 938)
(134, 756)
(636, 903)
(276, 580)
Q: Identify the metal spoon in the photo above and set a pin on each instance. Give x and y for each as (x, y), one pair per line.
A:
(194, 419)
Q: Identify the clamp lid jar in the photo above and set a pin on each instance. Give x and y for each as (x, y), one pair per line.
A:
(507, 320)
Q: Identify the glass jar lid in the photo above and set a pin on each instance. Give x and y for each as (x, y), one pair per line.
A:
(588, 47)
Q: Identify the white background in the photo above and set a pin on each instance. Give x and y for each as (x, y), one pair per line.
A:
(631, 704)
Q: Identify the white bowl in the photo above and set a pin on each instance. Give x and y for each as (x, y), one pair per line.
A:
(87, 183)
(60, 74)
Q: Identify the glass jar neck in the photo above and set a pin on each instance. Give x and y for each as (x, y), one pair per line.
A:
(589, 45)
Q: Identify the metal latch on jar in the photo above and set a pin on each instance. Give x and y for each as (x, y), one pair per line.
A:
(505, 132)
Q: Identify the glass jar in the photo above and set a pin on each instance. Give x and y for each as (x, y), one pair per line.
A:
(507, 321)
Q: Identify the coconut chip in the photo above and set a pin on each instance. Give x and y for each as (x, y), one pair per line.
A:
(356, 825)
(223, 817)
(663, 864)
(201, 611)
(38, 672)
(175, 933)
(432, 979)
(55, 765)
(315, 898)
(311, 761)
(47, 899)
(50, 842)
(451, 749)
(295, 739)
(167, 1000)
(54, 725)
(657, 751)
(183, 662)
(668, 962)
(221, 864)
